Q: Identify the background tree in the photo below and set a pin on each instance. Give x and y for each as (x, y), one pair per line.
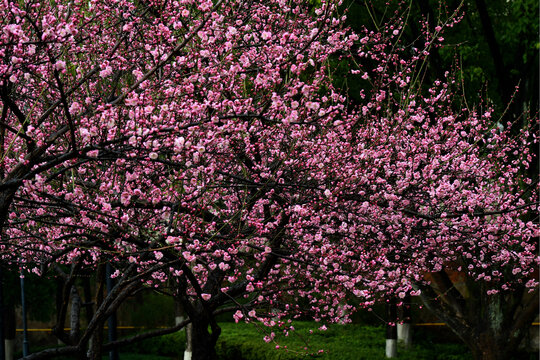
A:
(438, 165)
(495, 46)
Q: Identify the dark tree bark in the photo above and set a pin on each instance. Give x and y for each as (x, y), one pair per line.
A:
(492, 326)
(204, 342)
(88, 303)
(75, 315)
(96, 340)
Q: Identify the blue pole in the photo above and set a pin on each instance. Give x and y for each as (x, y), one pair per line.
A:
(26, 352)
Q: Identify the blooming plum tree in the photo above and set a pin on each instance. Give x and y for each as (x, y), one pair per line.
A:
(172, 138)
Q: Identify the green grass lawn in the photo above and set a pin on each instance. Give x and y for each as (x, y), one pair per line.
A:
(338, 342)
(343, 342)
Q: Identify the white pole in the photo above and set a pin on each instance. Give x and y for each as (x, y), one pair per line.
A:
(404, 333)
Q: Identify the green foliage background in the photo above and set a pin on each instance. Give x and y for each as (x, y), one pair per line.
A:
(466, 50)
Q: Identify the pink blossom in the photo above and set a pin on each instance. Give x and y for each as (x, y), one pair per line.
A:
(238, 316)
(75, 108)
(60, 65)
(106, 72)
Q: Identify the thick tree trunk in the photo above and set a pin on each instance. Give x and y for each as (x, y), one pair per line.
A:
(492, 326)
(96, 344)
(88, 303)
(203, 342)
(96, 341)
(74, 319)
(486, 347)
